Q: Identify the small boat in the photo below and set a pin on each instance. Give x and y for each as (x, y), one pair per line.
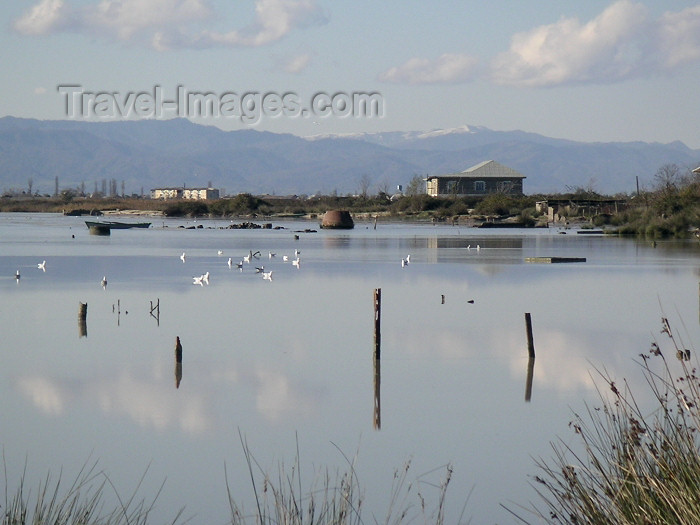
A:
(115, 225)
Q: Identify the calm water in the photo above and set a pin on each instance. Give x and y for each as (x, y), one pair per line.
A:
(288, 363)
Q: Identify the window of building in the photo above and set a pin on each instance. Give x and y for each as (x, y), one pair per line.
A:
(479, 186)
(505, 186)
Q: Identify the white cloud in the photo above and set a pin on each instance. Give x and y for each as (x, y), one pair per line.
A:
(44, 17)
(297, 64)
(166, 24)
(125, 18)
(274, 20)
(610, 47)
(446, 69)
(679, 37)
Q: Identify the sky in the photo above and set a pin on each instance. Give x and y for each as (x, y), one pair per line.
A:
(595, 71)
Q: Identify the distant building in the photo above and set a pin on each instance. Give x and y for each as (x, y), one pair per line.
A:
(185, 193)
(482, 179)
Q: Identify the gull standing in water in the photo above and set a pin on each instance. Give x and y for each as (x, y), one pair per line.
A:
(104, 282)
(17, 276)
(230, 262)
(42, 266)
(182, 257)
(296, 262)
(267, 275)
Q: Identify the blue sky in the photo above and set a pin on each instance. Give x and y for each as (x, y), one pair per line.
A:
(590, 71)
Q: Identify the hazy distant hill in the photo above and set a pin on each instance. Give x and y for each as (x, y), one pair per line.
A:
(148, 154)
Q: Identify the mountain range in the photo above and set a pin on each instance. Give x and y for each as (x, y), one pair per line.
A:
(147, 154)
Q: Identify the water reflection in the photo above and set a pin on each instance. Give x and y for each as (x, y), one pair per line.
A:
(377, 421)
(278, 358)
(178, 362)
(82, 319)
(528, 381)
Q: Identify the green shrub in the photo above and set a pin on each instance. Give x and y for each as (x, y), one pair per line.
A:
(186, 209)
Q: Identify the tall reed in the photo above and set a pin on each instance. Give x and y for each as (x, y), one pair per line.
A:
(638, 461)
(334, 498)
(82, 502)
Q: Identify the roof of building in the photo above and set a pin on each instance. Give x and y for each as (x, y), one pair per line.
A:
(485, 170)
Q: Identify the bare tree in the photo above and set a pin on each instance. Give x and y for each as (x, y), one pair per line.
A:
(416, 186)
(365, 183)
(667, 178)
(30, 183)
(383, 187)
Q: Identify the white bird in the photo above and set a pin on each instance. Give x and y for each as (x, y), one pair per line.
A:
(271, 255)
(469, 246)
(182, 257)
(246, 258)
(205, 277)
(220, 252)
(267, 275)
(296, 253)
(104, 282)
(42, 266)
(198, 280)
(285, 258)
(403, 263)
(230, 262)
(478, 247)
(17, 276)
(408, 258)
(296, 262)
(239, 265)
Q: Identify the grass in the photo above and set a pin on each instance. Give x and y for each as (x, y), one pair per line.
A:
(335, 498)
(332, 498)
(82, 502)
(637, 462)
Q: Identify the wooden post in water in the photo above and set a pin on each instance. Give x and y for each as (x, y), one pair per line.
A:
(82, 319)
(530, 342)
(377, 322)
